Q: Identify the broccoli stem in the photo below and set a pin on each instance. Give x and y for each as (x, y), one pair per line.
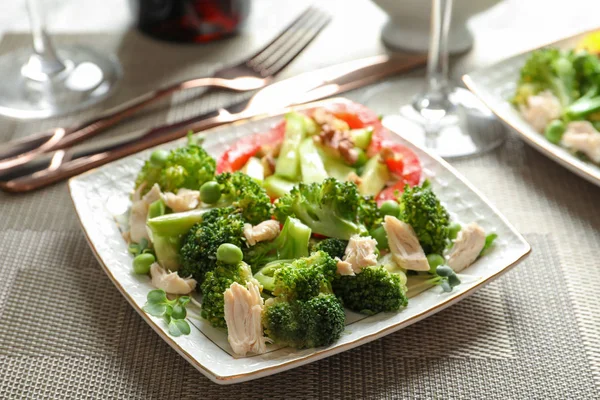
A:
(167, 251)
(293, 240)
(582, 107)
(175, 224)
(265, 276)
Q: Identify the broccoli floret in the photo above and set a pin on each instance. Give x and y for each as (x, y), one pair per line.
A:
(302, 278)
(369, 214)
(332, 246)
(214, 286)
(291, 243)
(548, 69)
(373, 290)
(305, 277)
(587, 67)
(330, 208)
(241, 191)
(318, 321)
(421, 209)
(199, 250)
(305, 312)
(186, 167)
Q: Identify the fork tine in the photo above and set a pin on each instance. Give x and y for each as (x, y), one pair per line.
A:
(281, 59)
(283, 33)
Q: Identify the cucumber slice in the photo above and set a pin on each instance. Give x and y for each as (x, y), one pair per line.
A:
(362, 137)
(254, 169)
(374, 177)
(311, 163)
(311, 128)
(167, 251)
(335, 167)
(277, 186)
(175, 224)
(288, 163)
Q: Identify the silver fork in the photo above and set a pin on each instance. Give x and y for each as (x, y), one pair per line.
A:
(254, 73)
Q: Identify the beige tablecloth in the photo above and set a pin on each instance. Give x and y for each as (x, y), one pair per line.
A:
(66, 332)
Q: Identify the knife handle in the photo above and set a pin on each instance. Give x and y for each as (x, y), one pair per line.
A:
(63, 167)
(22, 151)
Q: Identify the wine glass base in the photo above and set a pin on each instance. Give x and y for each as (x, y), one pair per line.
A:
(465, 128)
(89, 78)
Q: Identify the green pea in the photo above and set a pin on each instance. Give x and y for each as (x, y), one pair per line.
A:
(435, 260)
(390, 207)
(142, 263)
(554, 131)
(444, 270)
(362, 158)
(380, 237)
(210, 192)
(229, 253)
(156, 209)
(159, 157)
(453, 230)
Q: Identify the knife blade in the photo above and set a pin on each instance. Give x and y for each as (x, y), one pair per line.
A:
(309, 86)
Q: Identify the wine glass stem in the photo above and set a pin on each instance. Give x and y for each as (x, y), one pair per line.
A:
(44, 62)
(435, 95)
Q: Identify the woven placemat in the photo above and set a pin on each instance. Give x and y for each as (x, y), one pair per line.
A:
(66, 332)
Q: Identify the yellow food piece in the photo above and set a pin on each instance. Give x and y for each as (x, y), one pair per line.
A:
(590, 43)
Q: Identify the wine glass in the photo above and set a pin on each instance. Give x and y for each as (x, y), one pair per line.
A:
(446, 119)
(44, 81)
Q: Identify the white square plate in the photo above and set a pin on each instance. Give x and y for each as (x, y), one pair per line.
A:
(496, 84)
(101, 199)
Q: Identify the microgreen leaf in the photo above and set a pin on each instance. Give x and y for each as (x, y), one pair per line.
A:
(184, 300)
(155, 309)
(173, 311)
(157, 303)
(157, 296)
(178, 327)
(178, 312)
(134, 248)
(489, 242)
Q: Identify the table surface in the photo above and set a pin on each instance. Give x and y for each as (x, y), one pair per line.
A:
(66, 332)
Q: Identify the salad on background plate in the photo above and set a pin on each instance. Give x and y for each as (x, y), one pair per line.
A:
(558, 93)
(288, 230)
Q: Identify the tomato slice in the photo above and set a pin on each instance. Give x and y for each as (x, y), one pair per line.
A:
(236, 156)
(355, 115)
(405, 165)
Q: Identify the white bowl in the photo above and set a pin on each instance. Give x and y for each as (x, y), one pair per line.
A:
(409, 23)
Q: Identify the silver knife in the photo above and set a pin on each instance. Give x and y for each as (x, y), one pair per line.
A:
(309, 86)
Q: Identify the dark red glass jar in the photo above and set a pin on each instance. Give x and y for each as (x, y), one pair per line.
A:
(196, 21)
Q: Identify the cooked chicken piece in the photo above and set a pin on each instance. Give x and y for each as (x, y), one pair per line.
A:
(170, 282)
(266, 230)
(582, 136)
(361, 252)
(184, 200)
(243, 315)
(344, 267)
(467, 246)
(541, 109)
(404, 245)
(139, 212)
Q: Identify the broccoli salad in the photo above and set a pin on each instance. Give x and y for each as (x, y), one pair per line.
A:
(288, 229)
(558, 93)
